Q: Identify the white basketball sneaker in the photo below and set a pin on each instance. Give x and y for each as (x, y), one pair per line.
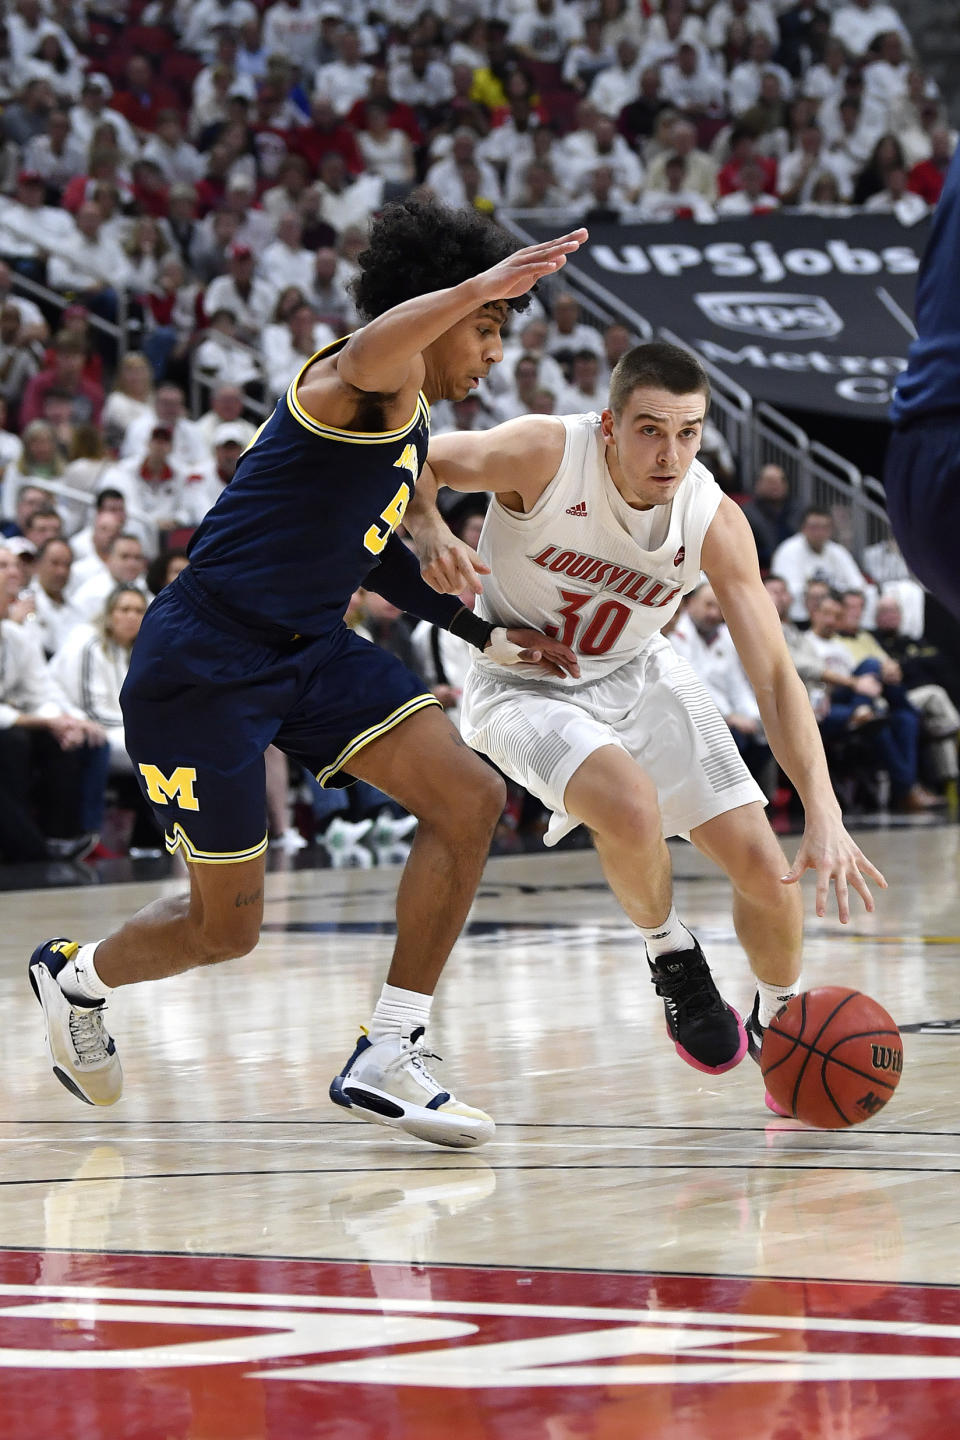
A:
(386, 1082)
(82, 1053)
(341, 840)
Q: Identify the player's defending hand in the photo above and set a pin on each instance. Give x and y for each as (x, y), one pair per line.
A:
(838, 860)
(519, 271)
(530, 647)
(449, 565)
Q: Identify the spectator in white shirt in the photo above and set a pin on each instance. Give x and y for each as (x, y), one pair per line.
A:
(386, 151)
(616, 86)
(226, 408)
(57, 155)
(92, 110)
(812, 555)
(189, 447)
(285, 195)
(89, 671)
(203, 18)
(543, 150)
(757, 16)
(674, 26)
(344, 202)
(50, 60)
(450, 179)
(88, 262)
(567, 333)
(514, 142)
(798, 172)
(43, 748)
(824, 81)
(678, 200)
(532, 340)
(859, 23)
(604, 146)
(896, 199)
(161, 490)
(589, 383)
(29, 229)
(249, 298)
(693, 83)
(421, 82)
(291, 27)
(701, 637)
(589, 57)
(178, 160)
(223, 359)
(545, 31)
(27, 22)
(292, 345)
(286, 261)
(885, 77)
(54, 615)
(346, 79)
(743, 82)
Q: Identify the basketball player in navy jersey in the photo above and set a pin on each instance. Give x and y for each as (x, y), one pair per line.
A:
(598, 527)
(922, 472)
(248, 647)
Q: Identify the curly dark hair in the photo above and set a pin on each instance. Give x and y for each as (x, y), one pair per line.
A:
(417, 246)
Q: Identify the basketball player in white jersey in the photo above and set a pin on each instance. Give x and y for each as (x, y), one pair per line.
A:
(598, 528)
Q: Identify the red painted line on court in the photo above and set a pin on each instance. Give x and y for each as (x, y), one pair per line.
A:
(201, 1348)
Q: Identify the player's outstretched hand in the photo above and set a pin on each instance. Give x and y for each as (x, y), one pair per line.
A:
(838, 860)
(449, 565)
(530, 647)
(519, 271)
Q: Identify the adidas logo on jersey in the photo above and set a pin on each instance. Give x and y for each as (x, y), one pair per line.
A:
(579, 509)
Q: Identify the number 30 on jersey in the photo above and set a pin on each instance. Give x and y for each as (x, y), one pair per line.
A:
(376, 538)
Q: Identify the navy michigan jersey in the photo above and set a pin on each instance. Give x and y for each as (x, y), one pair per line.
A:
(307, 514)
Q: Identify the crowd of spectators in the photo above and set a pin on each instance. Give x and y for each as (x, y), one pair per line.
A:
(186, 186)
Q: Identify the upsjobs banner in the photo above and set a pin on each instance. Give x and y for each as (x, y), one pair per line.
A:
(804, 312)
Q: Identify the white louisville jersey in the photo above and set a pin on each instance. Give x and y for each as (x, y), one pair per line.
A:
(584, 566)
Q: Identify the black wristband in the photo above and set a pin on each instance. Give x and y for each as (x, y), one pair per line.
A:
(471, 628)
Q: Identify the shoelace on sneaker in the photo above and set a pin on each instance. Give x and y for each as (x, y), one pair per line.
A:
(412, 1056)
(88, 1036)
(691, 992)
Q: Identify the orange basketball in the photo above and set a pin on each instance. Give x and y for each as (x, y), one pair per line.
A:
(832, 1057)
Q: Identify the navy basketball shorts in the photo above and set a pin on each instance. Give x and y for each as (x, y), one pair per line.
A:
(922, 482)
(204, 697)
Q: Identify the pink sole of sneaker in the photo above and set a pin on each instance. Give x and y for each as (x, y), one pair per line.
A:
(777, 1108)
(728, 1064)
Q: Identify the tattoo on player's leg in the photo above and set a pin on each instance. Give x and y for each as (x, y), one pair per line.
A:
(253, 898)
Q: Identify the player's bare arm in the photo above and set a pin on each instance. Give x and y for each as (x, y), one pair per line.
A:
(730, 561)
(385, 358)
(516, 460)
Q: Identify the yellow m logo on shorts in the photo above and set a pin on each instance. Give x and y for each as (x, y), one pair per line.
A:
(179, 787)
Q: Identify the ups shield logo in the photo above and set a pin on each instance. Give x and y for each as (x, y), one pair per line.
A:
(774, 316)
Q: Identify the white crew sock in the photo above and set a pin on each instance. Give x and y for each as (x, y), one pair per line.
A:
(399, 1009)
(772, 997)
(671, 935)
(79, 979)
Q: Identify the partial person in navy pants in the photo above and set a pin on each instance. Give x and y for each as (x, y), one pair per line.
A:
(922, 474)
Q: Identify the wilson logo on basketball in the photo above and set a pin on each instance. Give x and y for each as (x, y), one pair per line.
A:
(885, 1058)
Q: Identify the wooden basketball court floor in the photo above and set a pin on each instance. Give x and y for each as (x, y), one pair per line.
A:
(643, 1252)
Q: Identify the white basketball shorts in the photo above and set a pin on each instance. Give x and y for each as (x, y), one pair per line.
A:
(654, 708)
